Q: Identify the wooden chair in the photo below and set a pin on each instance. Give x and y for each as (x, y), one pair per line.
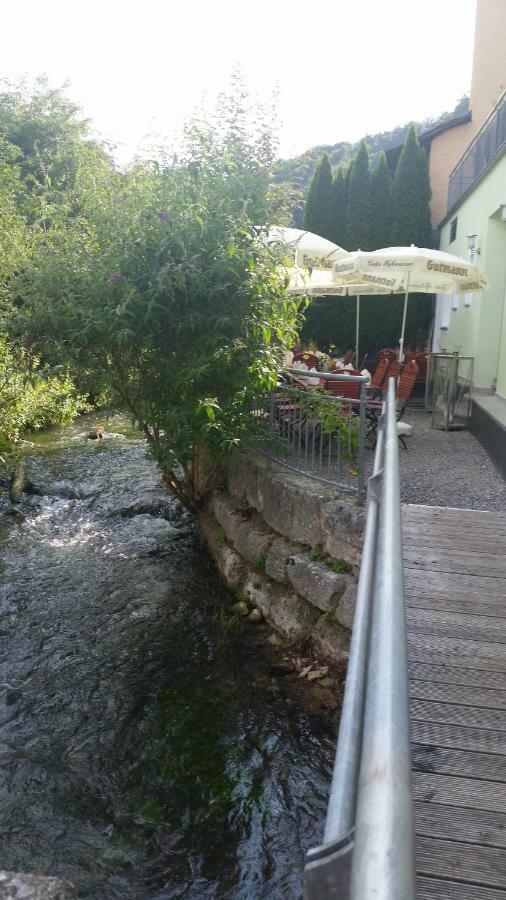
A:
(404, 389)
(386, 353)
(380, 373)
(394, 370)
(421, 361)
(405, 386)
(346, 388)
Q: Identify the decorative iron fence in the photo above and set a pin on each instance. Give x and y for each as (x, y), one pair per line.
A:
(485, 147)
(318, 432)
(368, 846)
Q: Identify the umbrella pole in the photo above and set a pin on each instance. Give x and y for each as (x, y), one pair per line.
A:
(357, 331)
(401, 343)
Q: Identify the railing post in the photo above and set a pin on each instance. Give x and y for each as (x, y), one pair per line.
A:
(361, 443)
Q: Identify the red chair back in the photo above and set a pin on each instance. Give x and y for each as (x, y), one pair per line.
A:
(406, 381)
(393, 370)
(387, 353)
(380, 373)
(309, 359)
(345, 388)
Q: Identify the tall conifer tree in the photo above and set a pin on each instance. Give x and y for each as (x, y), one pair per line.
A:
(359, 202)
(381, 206)
(411, 195)
(317, 211)
(339, 202)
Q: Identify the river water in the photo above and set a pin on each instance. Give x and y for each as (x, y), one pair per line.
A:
(142, 752)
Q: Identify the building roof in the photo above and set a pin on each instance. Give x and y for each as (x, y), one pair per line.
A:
(426, 137)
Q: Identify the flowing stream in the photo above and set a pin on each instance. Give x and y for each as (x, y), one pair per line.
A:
(144, 753)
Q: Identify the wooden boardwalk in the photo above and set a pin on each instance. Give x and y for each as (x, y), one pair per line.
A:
(455, 577)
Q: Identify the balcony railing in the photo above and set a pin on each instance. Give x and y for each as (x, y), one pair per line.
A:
(484, 149)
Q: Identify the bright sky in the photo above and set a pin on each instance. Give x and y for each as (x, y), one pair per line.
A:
(343, 69)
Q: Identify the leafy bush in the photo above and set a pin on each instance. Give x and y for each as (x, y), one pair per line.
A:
(161, 281)
(31, 397)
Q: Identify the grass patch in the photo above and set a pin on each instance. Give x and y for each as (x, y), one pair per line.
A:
(335, 565)
(259, 563)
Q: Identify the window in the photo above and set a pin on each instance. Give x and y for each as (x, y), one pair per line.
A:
(453, 230)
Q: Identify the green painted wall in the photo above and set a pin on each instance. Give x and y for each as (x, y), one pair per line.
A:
(480, 330)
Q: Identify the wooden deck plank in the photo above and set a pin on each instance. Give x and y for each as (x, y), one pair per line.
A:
(437, 889)
(454, 791)
(461, 694)
(474, 606)
(440, 674)
(471, 826)
(455, 582)
(450, 858)
(437, 760)
(448, 514)
(423, 651)
(465, 562)
(458, 737)
(475, 635)
(452, 714)
(478, 654)
(487, 628)
(475, 595)
(485, 585)
(488, 541)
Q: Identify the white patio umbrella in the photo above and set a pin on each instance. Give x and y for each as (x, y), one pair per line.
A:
(409, 269)
(309, 250)
(321, 282)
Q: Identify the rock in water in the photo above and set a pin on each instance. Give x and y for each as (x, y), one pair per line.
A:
(255, 615)
(95, 434)
(65, 489)
(13, 886)
(17, 484)
(241, 607)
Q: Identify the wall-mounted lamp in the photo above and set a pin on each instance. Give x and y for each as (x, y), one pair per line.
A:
(471, 243)
(503, 212)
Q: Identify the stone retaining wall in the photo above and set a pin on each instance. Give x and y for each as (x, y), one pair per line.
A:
(288, 546)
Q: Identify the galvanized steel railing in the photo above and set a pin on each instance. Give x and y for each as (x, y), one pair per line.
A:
(368, 846)
(302, 439)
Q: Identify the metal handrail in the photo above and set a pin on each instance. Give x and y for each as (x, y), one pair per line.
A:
(329, 376)
(368, 845)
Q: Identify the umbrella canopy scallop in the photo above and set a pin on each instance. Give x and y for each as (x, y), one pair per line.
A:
(413, 269)
(309, 250)
(409, 269)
